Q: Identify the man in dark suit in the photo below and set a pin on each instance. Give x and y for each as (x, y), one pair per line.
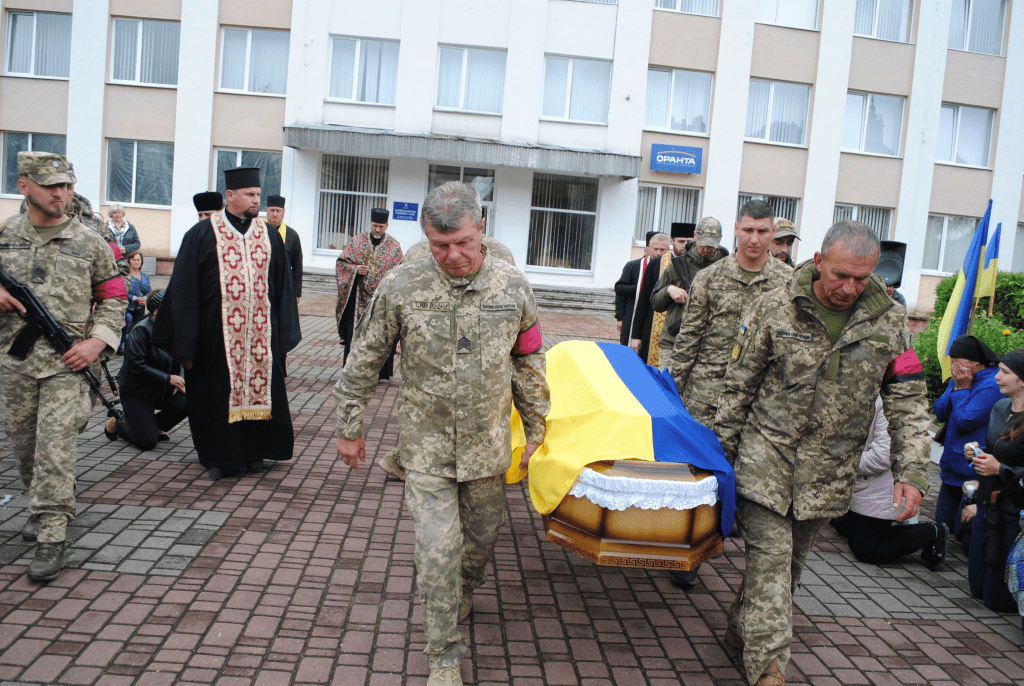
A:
(643, 314)
(292, 246)
(625, 290)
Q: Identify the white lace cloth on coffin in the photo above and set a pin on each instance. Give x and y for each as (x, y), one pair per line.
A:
(619, 493)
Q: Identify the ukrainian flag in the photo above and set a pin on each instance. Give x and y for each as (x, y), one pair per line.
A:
(987, 280)
(606, 404)
(956, 321)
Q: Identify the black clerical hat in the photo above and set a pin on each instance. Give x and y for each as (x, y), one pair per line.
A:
(378, 215)
(275, 201)
(682, 230)
(890, 262)
(650, 235)
(242, 177)
(153, 301)
(210, 201)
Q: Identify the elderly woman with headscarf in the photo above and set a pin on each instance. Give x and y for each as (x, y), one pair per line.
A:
(152, 388)
(965, 408)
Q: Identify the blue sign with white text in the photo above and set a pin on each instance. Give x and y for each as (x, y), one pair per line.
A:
(408, 211)
(676, 158)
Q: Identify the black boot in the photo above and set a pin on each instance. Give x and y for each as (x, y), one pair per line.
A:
(932, 555)
(48, 562)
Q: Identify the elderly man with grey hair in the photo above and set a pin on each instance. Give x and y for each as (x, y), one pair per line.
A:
(471, 344)
(797, 403)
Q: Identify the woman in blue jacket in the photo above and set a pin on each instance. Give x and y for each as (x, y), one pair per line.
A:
(965, 408)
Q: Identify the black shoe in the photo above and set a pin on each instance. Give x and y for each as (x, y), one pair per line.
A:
(48, 562)
(934, 554)
(255, 467)
(215, 473)
(163, 437)
(684, 580)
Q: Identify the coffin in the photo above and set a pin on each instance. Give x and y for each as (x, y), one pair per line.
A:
(630, 513)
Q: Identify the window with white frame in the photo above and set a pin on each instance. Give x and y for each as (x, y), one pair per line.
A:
(977, 26)
(471, 79)
(708, 8)
(777, 112)
(873, 123)
(946, 242)
(781, 206)
(876, 217)
(797, 14)
(563, 218)
(1017, 263)
(677, 99)
(254, 61)
(883, 19)
(139, 172)
(576, 89)
(657, 207)
(269, 164)
(364, 70)
(39, 44)
(349, 188)
(15, 142)
(145, 51)
(480, 180)
(965, 135)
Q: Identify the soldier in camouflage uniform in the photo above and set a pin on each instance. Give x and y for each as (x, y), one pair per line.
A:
(45, 405)
(471, 344)
(793, 416)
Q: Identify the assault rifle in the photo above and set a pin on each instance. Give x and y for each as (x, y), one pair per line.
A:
(42, 324)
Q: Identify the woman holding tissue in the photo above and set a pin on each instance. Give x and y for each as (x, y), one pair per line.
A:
(1000, 468)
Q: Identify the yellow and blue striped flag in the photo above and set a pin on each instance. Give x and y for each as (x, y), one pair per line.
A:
(987, 280)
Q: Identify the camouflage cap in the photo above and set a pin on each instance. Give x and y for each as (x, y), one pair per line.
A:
(708, 233)
(784, 229)
(45, 168)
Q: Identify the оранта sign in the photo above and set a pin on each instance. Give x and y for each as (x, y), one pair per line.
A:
(676, 158)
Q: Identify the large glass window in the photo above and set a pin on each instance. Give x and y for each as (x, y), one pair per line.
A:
(679, 100)
(777, 111)
(876, 217)
(563, 216)
(576, 89)
(364, 70)
(349, 188)
(883, 19)
(254, 61)
(783, 207)
(39, 44)
(977, 26)
(139, 172)
(708, 8)
(657, 207)
(145, 51)
(873, 123)
(946, 242)
(13, 143)
(797, 14)
(269, 164)
(965, 135)
(470, 79)
(481, 180)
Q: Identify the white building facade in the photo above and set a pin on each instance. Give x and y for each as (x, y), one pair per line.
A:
(582, 125)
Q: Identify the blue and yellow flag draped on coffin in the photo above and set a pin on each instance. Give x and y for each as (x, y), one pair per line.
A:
(606, 404)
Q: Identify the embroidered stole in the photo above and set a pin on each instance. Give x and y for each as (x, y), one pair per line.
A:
(658, 323)
(245, 316)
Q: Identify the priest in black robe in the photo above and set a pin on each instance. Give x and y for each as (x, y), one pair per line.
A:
(237, 419)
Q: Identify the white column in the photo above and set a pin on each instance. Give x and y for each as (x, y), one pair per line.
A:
(830, 85)
(1009, 161)
(193, 118)
(628, 93)
(922, 137)
(89, 23)
(729, 114)
(522, 101)
(417, 60)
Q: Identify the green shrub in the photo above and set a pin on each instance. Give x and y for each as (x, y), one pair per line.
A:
(942, 294)
(1009, 298)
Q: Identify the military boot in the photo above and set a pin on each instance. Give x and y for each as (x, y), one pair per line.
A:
(48, 562)
(772, 676)
(466, 607)
(28, 532)
(445, 676)
(392, 466)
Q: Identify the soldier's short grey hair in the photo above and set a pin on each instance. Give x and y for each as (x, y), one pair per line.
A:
(756, 209)
(855, 236)
(659, 236)
(445, 207)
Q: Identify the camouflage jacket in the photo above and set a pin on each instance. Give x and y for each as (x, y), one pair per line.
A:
(494, 248)
(681, 272)
(469, 348)
(68, 273)
(795, 409)
(719, 297)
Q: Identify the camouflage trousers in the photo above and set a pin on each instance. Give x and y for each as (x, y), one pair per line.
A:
(44, 418)
(456, 529)
(776, 552)
(702, 412)
(664, 356)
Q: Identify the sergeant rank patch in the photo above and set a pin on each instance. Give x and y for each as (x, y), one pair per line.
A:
(463, 345)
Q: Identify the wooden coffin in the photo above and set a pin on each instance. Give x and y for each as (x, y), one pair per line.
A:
(663, 538)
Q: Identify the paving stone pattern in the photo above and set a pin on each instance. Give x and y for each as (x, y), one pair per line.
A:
(303, 574)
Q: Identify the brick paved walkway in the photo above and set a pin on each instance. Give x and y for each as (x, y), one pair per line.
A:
(303, 575)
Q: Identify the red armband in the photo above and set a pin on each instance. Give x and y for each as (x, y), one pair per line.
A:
(111, 288)
(906, 367)
(529, 341)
